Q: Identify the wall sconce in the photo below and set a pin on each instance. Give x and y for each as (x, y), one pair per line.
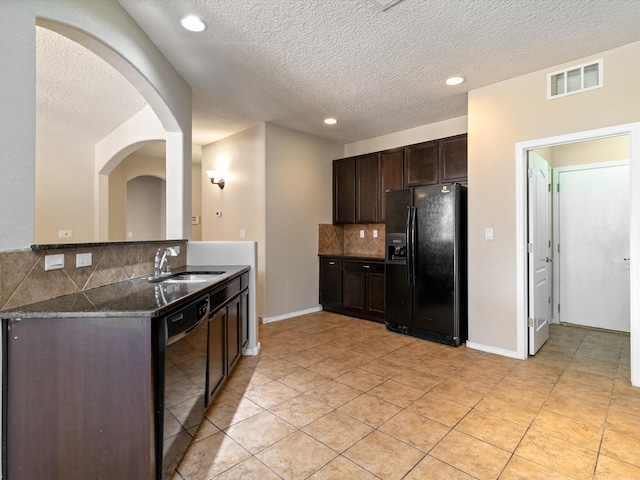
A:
(212, 176)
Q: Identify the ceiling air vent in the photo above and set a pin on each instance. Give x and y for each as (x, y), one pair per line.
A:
(575, 79)
(385, 4)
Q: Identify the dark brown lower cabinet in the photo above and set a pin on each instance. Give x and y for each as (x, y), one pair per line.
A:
(227, 322)
(234, 334)
(78, 397)
(352, 287)
(331, 282)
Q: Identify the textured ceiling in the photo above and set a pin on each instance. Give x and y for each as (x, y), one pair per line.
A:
(294, 62)
(78, 95)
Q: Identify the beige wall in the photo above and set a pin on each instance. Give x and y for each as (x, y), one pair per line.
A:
(278, 189)
(196, 200)
(64, 190)
(500, 116)
(146, 215)
(424, 133)
(298, 199)
(240, 159)
(593, 151)
(131, 167)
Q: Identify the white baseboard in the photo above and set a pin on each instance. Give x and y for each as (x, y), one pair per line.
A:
(251, 352)
(494, 350)
(277, 318)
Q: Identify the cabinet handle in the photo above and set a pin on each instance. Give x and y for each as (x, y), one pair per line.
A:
(366, 266)
(332, 263)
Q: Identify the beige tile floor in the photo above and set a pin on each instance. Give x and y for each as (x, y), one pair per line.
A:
(333, 397)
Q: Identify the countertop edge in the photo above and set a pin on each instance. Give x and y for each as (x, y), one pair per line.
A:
(24, 312)
(366, 258)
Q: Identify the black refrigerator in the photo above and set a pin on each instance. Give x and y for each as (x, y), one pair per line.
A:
(426, 263)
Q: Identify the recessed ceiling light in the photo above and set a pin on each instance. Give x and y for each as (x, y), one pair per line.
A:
(193, 23)
(454, 80)
(330, 121)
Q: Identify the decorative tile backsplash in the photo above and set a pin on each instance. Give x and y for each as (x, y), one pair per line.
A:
(346, 240)
(23, 279)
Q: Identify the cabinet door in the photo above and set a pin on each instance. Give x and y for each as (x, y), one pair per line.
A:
(453, 159)
(353, 291)
(78, 396)
(375, 293)
(216, 354)
(234, 335)
(244, 317)
(367, 188)
(330, 282)
(390, 175)
(344, 191)
(421, 164)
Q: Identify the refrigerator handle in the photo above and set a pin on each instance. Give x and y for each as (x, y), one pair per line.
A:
(412, 246)
(408, 237)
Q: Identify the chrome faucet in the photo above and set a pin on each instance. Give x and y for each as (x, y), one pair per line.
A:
(161, 266)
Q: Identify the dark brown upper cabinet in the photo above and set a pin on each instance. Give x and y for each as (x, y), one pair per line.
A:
(453, 159)
(367, 188)
(421, 164)
(390, 176)
(360, 183)
(344, 191)
(438, 161)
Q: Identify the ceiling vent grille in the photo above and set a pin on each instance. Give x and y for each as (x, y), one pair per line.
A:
(385, 4)
(580, 78)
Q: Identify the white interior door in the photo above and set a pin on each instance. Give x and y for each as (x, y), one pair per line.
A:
(593, 221)
(539, 233)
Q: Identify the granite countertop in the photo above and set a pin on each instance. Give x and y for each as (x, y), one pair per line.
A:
(366, 258)
(136, 297)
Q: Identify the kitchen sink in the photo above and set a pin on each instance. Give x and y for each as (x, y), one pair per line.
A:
(187, 277)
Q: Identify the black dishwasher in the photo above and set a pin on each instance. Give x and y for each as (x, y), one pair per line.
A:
(183, 359)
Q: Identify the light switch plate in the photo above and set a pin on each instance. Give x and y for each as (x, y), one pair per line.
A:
(488, 233)
(54, 262)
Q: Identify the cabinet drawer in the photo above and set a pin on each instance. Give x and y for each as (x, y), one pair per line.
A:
(220, 296)
(360, 266)
(333, 263)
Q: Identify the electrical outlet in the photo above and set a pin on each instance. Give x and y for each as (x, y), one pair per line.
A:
(375, 234)
(361, 233)
(243, 234)
(65, 233)
(83, 260)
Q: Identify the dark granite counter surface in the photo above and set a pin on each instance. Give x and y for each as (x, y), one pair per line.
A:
(136, 297)
(366, 258)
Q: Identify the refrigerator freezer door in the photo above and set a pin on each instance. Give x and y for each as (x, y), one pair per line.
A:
(434, 296)
(397, 289)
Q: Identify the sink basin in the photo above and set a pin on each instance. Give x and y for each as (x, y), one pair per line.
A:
(187, 277)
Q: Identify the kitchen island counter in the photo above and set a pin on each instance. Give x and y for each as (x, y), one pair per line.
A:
(137, 297)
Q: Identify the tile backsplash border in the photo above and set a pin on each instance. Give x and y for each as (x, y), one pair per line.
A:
(23, 279)
(346, 239)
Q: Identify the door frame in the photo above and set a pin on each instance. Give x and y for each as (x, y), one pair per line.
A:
(555, 315)
(633, 131)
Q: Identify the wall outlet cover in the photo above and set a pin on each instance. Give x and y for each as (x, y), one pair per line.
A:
(83, 260)
(54, 262)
